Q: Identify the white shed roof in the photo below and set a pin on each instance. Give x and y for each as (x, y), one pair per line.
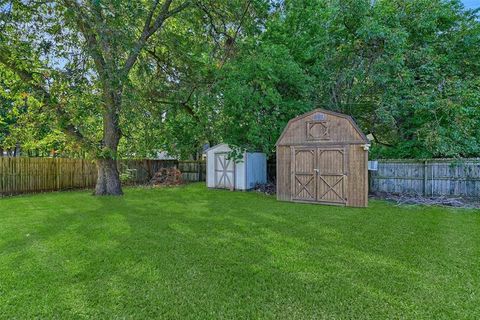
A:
(216, 147)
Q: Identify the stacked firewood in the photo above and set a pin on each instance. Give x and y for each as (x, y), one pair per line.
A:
(167, 177)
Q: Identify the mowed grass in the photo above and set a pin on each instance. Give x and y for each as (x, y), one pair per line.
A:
(194, 253)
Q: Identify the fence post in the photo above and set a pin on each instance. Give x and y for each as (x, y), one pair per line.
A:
(199, 171)
(57, 165)
(425, 178)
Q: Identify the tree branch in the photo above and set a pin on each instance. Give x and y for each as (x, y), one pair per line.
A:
(379, 142)
(150, 30)
(89, 35)
(44, 96)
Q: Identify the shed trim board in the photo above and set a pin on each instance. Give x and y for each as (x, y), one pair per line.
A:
(224, 171)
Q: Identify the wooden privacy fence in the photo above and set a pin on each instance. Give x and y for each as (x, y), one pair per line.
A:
(426, 177)
(193, 170)
(434, 177)
(24, 175)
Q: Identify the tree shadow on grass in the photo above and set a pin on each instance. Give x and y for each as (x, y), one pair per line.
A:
(195, 253)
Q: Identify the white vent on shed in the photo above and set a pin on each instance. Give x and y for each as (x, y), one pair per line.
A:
(319, 117)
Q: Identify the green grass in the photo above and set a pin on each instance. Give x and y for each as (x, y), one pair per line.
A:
(193, 253)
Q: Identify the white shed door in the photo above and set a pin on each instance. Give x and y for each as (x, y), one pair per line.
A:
(224, 171)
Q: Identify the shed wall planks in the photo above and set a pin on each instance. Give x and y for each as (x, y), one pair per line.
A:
(358, 176)
(283, 173)
(321, 159)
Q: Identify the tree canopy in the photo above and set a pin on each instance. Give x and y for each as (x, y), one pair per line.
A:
(407, 71)
(112, 78)
(87, 63)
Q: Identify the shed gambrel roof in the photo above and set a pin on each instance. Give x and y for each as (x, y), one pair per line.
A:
(327, 112)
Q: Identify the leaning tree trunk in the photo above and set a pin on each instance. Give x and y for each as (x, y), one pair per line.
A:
(108, 180)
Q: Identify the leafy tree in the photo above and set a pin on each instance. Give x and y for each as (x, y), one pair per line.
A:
(178, 79)
(259, 93)
(407, 71)
(83, 61)
(120, 78)
(23, 129)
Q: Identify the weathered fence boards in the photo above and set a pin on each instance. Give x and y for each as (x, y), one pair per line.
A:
(193, 170)
(18, 175)
(141, 171)
(428, 177)
(28, 175)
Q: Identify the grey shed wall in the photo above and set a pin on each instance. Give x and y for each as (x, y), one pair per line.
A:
(256, 169)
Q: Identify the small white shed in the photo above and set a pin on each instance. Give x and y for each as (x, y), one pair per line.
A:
(243, 174)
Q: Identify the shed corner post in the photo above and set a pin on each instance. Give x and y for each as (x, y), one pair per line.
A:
(369, 182)
(245, 168)
(292, 173)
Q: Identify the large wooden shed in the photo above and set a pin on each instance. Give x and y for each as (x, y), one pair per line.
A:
(322, 157)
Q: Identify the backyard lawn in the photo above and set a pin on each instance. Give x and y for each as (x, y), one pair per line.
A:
(194, 253)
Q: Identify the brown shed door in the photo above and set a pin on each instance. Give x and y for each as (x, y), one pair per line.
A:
(319, 175)
(303, 174)
(331, 176)
(224, 171)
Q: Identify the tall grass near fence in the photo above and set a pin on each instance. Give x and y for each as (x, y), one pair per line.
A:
(29, 175)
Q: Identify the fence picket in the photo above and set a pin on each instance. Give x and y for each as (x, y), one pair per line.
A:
(30, 175)
(437, 177)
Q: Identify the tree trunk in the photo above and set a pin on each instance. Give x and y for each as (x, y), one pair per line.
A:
(108, 180)
(18, 150)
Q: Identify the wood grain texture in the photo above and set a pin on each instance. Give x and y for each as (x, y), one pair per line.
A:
(321, 159)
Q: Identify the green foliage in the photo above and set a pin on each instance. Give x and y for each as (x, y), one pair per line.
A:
(177, 82)
(127, 174)
(22, 122)
(236, 72)
(406, 71)
(258, 93)
(105, 73)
